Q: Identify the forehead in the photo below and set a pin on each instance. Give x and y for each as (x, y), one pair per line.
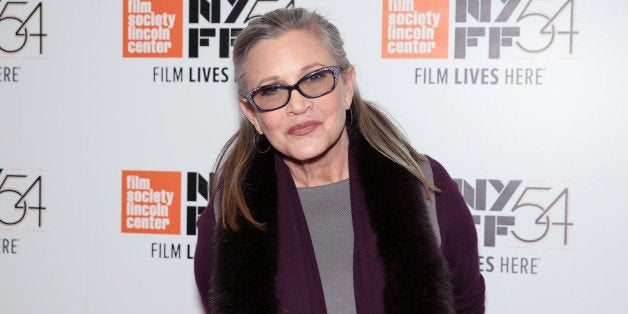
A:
(286, 56)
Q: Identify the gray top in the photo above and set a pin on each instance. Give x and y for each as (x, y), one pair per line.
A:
(327, 211)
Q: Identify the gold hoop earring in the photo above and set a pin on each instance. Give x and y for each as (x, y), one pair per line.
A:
(349, 118)
(259, 138)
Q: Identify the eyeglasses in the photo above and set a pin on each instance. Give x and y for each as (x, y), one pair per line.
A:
(313, 85)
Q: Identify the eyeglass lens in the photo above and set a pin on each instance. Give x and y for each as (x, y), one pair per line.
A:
(315, 84)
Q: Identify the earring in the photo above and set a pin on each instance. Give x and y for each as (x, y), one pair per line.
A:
(259, 138)
(349, 118)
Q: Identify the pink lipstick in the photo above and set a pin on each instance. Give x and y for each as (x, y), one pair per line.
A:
(303, 128)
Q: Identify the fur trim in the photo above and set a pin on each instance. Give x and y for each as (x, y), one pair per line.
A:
(246, 260)
(416, 276)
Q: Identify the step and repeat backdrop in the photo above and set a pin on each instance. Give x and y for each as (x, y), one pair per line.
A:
(112, 114)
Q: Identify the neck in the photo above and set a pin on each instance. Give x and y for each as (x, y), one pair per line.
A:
(332, 166)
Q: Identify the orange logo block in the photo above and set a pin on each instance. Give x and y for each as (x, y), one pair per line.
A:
(152, 28)
(415, 28)
(151, 202)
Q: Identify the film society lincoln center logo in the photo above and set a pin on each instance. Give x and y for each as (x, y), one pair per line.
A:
(415, 28)
(152, 28)
(151, 202)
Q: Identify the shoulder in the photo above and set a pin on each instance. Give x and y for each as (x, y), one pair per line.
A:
(442, 179)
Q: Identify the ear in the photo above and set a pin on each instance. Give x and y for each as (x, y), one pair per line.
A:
(250, 113)
(348, 78)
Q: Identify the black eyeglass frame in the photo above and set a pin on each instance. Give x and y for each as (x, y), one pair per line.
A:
(250, 94)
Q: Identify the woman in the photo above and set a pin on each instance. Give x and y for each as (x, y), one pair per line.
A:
(322, 205)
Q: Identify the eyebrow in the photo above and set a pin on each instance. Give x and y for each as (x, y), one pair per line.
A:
(304, 70)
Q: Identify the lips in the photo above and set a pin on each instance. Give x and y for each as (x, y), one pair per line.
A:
(303, 128)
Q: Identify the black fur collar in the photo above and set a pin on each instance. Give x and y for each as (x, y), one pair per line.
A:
(246, 260)
(416, 276)
(416, 279)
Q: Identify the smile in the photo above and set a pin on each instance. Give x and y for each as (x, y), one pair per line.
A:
(304, 128)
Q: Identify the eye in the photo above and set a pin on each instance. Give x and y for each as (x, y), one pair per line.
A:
(270, 90)
(316, 76)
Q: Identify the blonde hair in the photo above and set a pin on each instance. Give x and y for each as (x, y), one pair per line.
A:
(237, 154)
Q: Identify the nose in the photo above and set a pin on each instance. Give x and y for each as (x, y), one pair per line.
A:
(298, 104)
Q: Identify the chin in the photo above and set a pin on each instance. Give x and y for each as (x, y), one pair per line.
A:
(308, 153)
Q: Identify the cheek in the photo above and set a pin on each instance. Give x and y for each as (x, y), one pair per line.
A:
(339, 107)
(344, 98)
(270, 122)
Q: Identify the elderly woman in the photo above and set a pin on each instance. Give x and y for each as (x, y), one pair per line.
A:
(322, 205)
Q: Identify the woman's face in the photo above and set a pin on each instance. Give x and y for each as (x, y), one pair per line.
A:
(305, 129)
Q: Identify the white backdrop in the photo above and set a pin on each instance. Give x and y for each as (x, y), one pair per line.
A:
(541, 163)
